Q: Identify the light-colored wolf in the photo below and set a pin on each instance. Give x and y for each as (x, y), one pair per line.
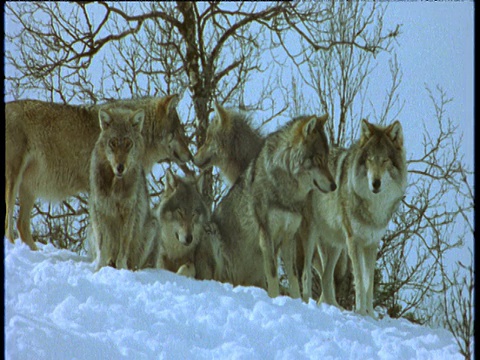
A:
(123, 226)
(266, 203)
(231, 143)
(48, 148)
(187, 244)
(371, 177)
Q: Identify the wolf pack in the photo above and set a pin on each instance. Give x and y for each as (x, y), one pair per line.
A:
(291, 196)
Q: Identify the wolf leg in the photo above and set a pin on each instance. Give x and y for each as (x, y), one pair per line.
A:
(370, 260)
(270, 264)
(308, 249)
(358, 260)
(330, 255)
(27, 200)
(289, 256)
(187, 270)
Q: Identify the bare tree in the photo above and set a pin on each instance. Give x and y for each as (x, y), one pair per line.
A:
(89, 52)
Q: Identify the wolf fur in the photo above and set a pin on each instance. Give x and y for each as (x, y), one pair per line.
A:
(231, 143)
(266, 201)
(48, 148)
(371, 177)
(186, 246)
(293, 163)
(123, 226)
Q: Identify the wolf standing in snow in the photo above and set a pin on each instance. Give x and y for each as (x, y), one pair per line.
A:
(123, 226)
(185, 246)
(48, 148)
(266, 201)
(231, 144)
(371, 177)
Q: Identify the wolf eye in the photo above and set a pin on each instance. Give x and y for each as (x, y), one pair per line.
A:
(113, 143)
(179, 213)
(307, 163)
(128, 143)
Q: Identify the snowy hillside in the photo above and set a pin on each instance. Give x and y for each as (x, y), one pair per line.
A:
(56, 307)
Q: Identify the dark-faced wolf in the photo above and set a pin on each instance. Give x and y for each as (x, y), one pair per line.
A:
(48, 148)
(372, 178)
(123, 227)
(231, 143)
(187, 245)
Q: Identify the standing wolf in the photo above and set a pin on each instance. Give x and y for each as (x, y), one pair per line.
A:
(293, 162)
(122, 224)
(266, 201)
(231, 144)
(371, 177)
(48, 148)
(186, 245)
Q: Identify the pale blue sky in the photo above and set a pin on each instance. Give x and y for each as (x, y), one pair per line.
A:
(434, 48)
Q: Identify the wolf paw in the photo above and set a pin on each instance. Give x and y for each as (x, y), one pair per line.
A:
(187, 270)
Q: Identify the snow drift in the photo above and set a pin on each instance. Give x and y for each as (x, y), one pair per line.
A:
(57, 307)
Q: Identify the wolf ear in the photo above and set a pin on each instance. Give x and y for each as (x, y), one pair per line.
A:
(137, 119)
(172, 181)
(309, 125)
(104, 119)
(200, 181)
(367, 130)
(321, 120)
(395, 132)
(221, 115)
(168, 103)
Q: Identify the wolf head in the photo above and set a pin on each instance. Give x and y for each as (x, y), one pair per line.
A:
(305, 153)
(121, 137)
(183, 211)
(219, 132)
(169, 136)
(380, 159)
(231, 143)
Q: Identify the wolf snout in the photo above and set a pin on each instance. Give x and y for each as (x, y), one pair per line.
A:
(185, 240)
(376, 184)
(333, 187)
(120, 170)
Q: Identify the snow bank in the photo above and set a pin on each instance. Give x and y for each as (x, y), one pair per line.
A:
(57, 307)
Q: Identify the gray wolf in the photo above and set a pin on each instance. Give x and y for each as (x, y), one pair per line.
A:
(231, 143)
(48, 148)
(123, 226)
(186, 246)
(371, 177)
(262, 211)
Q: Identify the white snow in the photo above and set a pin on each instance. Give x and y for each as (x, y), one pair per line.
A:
(57, 307)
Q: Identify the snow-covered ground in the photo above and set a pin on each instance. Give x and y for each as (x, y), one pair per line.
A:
(57, 307)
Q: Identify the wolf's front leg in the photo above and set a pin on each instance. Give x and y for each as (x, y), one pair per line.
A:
(289, 257)
(270, 264)
(308, 239)
(358, 259)
(187, 270)
(370, 260)
(329, 255)
(123, 252)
